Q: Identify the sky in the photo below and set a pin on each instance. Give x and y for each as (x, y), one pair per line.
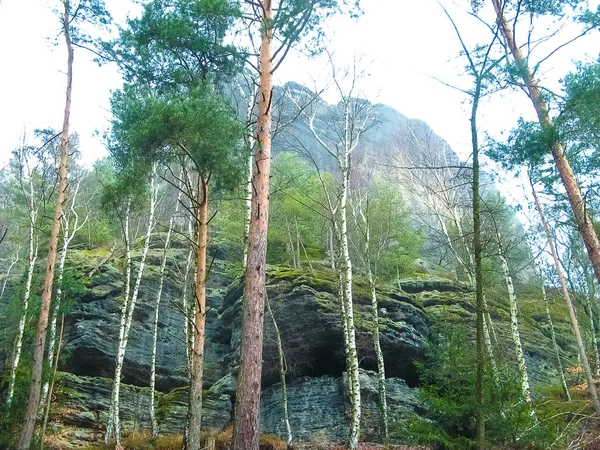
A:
(409, 46)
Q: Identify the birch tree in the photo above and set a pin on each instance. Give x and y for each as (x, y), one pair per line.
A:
(351, 118)
(113, 426)
(26, 184)
(198, 129)
(514, 320)
(161, 279)
(524, 151)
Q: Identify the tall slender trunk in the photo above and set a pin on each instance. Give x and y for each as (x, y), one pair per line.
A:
(52, 379)
(574, 322)
(10, 267)
(163, 267)
(514, 325)
(488, 326)
(127, 320)
(553, 337)
(346, 269)
(246, 426)
(33, 251)
(479, 299)
(594, 341)
(250, 167)
(195, 404)
(383, 414)
(40, 340)
(55, 309)
(590, 299)
(578, 204)
(282, 372)
(124, 308)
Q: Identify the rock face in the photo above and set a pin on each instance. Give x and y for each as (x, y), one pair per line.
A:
(306, 309)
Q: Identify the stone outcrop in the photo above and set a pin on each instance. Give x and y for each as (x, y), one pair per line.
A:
(306, 309)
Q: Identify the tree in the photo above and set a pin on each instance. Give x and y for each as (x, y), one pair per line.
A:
(113, 427)
(198, 128)
(349, 120)
(385, 240)
(73, 14)
(525, 150)
(540, 104)
(71, 225)
(280, 24)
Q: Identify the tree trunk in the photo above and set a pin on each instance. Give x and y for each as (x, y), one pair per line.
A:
(195, 404)
(250, 166)
(383, 414)
(584, 224)
(282, 372)
(124, 308)
(51, 387)
(56, 308)
(40, 340)
(126, 323)
(5, 282)
(554, 343)
(246, 427)
(574, 322)
(185, 306)
(479, 299)
(350, 348)
(163, 266)
(33, 251)
(514, 325)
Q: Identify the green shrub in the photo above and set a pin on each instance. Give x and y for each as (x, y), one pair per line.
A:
(448, 380)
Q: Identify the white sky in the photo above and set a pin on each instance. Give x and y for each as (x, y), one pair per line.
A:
(409, 41)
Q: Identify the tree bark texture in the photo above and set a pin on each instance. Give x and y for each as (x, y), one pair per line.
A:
(246, 428)
(479, 298)
(195, 408)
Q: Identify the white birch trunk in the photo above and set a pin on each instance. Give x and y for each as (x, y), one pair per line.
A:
(514, 325)
(351, 353)
(10, 267)
(56, 308)
(250, 166)
(383, 414)
(282, 372)
(163, 267)
(186, 311)
(565, 292)
(554, 343)
(126, 321)
(33, 252)
(124, 307)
